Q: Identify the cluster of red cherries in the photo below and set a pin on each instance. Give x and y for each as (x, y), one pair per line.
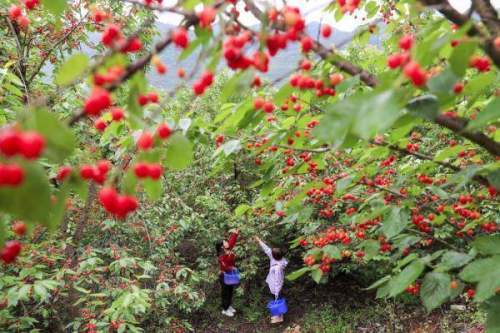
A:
(16, 13)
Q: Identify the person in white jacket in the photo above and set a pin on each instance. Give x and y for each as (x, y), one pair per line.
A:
(276, 276)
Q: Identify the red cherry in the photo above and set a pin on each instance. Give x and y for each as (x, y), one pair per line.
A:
(10, 251)
(207, 17)
(31, 4)
(11, 175)
(143, 100)
(117, 114)
(258, 103)
(98, 100)
(19, 228)
(153, 97)
(417, 75)
(155, 171)
(336, 78)
(23, 21)
(111, 33)
(207, 78)
(103, 166)
(32, 145)
(268, 107)
(133, 45)
(63, 173)
(163, 131)
(458, 88)
(141, 170)
(10, 142)
(326, 30)
(307, 44)
(100, 124)
(87, 172)
(180, 37)
(161, 68)
(14, 12)
(181, 72)
(406, 42)
(108, 198)
(198, 88)
(145, 141)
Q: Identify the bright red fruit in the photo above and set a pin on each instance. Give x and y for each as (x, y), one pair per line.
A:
(258, 103)
(207, 17)
(180, 37)
(458, 87)
(207, 78)
(143, 100)
(111, 33)
(117, 114)
(10, 251)
(14, 12)
(103, 166)
(307, 44)
(155, 171)
(108, 198)
(133, 45)
(482, 64)
(19, 228)
(11, 175)
(163, 131)
(406, 42)
(86, 172)
(98, 100)
(32, 145)
(153, 97)
(100, 124)
(181, 72)
(326, 31)
(23, 21)
(268, 107)
(145, 141)
(417, 75)
(63, 173)
(10, 142)
(31, 4)
(141, 170)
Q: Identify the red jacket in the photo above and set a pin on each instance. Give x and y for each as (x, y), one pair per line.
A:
(227, 260)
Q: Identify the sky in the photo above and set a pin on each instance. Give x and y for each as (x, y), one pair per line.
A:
(312, 10)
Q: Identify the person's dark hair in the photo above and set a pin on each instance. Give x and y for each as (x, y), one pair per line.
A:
(277, 253)
(218, 247)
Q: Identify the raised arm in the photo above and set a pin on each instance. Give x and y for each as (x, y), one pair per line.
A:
(231, 242)
(267, 250)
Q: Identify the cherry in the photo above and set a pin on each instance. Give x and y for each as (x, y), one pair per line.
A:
(145, 141)
(163, 131)
(181, 72)
(10, 251)
(103, 166)
(23, 21)
(482, 64)
(406, 42)
(31, 4)
(417, 75)
(307, 44)
(100, 124)
(11, 175)
(258, 103)
(180, 37)
(98, 100)
(133, 45)
(87, 172)
(326, 31)
(117, 114)
(108, 198)
(458, 88)
(207, 17)
(336, 78)
(63, 173)
(155, 171)
(111, 33)
(141, 170)
(143, 100)
(19, 228)
(153, 97)
(14, 12)
(268, 107)
(10, 142)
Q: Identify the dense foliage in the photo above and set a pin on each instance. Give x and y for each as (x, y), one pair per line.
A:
(380, 159)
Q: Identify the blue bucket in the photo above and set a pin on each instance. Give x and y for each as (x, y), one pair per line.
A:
(277, 307)
(232, 278)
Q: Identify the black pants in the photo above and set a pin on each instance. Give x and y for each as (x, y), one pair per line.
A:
(226, 292)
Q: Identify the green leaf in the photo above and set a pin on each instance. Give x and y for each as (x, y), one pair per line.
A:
(435, 290)
(298, 273)
(379, 282)
(3, 232)
(237, 84)
(282, 94)
(56, 7)
(494, 179)
(316, 275)
(453, 259)
(179, 152)
(371, 248)
(231, 146)
(31, 200)
(72, 69)
(332, 251)
(490, 113)
(425, 106)
(479, 83)
(442, 84)
(59, 207)
(487, 244)
(241, 209)
(485, 272)
(395, 223)
(60, 140)
(406, 277)
(493, 320)
(459, 60)
(153, 188)
(446, 153)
